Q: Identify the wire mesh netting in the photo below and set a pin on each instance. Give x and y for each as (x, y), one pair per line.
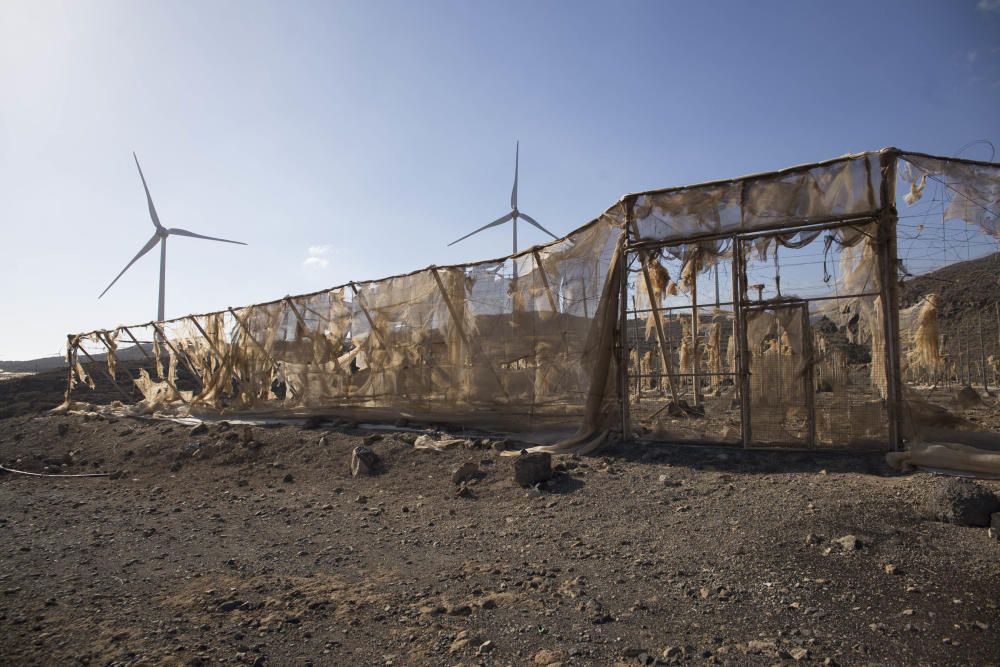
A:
(949, 249)
(808, 313)
(766, 310)
(514, 343)
(684, 389)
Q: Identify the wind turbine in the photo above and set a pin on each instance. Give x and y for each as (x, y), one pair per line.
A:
(514, 213)
(159, 236)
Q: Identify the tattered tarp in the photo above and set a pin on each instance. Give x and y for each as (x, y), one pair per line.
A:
(523, 343)
(474, 345)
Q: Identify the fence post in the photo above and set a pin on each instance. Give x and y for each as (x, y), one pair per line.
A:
(623, 341)
(888, 271)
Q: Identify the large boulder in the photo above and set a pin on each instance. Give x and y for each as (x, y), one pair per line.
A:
(963, 502)
(533, 468)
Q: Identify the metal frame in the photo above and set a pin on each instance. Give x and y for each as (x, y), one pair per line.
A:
(885, 219)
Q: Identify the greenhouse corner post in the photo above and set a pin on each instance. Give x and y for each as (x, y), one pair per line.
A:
(889, 292)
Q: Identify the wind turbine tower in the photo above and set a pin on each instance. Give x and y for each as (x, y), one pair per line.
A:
(159, 236)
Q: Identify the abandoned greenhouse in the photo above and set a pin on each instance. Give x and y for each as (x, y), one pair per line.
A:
(760, 311)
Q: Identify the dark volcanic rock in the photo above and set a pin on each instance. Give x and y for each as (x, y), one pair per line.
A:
(963, 502)
(363, 461)
(530, 469)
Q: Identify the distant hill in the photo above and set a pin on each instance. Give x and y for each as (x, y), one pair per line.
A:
(966, 291)
(130, 353)
(33, 365)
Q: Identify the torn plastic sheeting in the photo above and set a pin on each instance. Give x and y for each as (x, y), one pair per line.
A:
(973, 189)
(948, 456)
(437, 444)
(844, 187)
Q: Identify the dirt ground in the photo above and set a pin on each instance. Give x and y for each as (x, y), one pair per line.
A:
(223, 548)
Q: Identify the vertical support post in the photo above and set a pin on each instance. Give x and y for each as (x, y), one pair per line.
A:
(968, 357)
(960, 357)
(982, 353)
(742, 347)
(623, 346)
(638, 352)
(718, 300)
(695, 347)
(71, 368)
(889, 293)
(807, 376)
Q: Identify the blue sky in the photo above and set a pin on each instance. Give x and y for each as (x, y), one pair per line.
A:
(374, 133)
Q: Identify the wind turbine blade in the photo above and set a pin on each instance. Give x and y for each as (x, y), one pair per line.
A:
(149, 200)
(184, 232)
(146, 248)
(534, 222)
(513, 193)
(498, 221)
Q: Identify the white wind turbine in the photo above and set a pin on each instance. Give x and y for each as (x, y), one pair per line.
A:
(514, 213)
(159, 236)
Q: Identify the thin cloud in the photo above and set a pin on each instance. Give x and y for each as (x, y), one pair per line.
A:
(988, 5)
(315, 263)
(316, 257)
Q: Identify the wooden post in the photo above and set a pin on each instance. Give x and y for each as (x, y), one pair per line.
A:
(267, 355)
(968, 358)
(807, 376)
(638, 351)
(695, 347)
(742, 347)
(371, 322)
(138, 344)
(545, 281)
(183, 357)
(960, 374)
(982, 353)
(152, 361)
(623, 350)
(105, 371)
(70, 349)
(718, 300)
(889, 293)
(105, 339)
(211, 343)
(661, 339)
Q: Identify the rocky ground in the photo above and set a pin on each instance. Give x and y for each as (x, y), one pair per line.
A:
(259, 547)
